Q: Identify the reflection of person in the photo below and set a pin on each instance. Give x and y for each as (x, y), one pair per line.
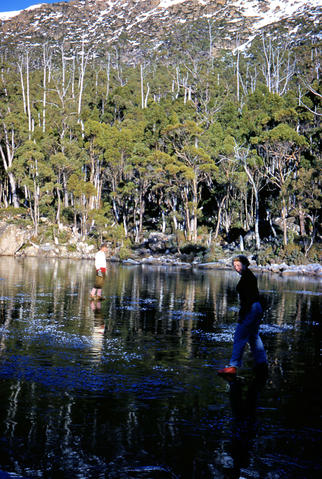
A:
(250, 315)
(244, 420)
(100, 266)
(98, 327)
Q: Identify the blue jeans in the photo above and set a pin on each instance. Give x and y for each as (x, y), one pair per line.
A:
(247, 332)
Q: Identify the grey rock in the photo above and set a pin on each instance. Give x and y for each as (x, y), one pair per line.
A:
(12, 238)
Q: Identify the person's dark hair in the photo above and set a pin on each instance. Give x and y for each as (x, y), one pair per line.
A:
(242, 259)
(103, 245)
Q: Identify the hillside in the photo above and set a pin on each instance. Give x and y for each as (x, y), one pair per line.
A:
(159, 25)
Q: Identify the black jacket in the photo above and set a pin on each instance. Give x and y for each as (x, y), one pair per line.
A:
(248, 292)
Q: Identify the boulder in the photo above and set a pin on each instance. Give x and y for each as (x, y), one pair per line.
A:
(156, 243)
(131, 261)
(12, 238)
(84, 248)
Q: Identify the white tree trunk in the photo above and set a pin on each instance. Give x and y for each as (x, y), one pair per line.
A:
(28, 95)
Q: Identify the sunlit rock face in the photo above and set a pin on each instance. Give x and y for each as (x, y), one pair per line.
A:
(11, 238)
(158, 25)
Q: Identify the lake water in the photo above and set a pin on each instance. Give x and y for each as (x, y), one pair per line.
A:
(128, 388)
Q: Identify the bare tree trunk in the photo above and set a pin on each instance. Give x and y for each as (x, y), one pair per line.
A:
(108, 70)
(164, 223)
(284, 214)
(194, 219)
(219, 216)
(45, 90)
(13, 188)
(125, 226)
(66, 202)
(142, 86)
(147, 95)
(237, 70)
(22, 87)
(301, 220)
(81, 81)
(7, 156)
(211, 57)
(172, 204)
(28, 95)
(73, 78)
(267, 55)
(84, 60)
(242, 156)
(58, 208)
(142, 209)
(257, 237)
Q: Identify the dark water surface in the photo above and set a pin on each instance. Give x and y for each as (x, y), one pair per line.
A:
(128, 388)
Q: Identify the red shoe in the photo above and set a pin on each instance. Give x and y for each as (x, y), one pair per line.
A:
(228, 372)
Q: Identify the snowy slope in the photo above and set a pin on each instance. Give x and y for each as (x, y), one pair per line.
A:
(14, 13)
(156, 21)
(275, 10)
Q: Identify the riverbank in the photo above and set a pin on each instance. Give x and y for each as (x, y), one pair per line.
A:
(157, 249)
(87, 252)
(283, 269)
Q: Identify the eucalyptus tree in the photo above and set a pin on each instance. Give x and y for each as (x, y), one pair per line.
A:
(280, 150)
(116, 143)
(165, 190)
(36, 176)
(252, 165)
(220, 145)
(81, 192)
(24, 70)
(142, 179)
(307, 189)
(277, 63)
(13, 129)
(95, 161)
(193, 166)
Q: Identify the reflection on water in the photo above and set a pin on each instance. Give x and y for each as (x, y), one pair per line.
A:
(127, 387)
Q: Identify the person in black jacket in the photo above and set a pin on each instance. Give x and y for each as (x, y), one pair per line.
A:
(250, 315)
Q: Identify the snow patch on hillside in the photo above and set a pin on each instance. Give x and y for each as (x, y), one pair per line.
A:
(7, 15)
(14, 13)
(275, 11)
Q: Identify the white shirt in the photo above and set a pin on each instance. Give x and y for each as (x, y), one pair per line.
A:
(100, 260)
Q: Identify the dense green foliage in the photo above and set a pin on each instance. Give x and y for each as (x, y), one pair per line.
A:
(204, 146)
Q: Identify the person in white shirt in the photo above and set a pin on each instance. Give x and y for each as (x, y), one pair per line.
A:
(100, 267)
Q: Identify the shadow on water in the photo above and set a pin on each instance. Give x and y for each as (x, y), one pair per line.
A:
(127, 387)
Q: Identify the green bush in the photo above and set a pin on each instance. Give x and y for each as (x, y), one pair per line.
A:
(63, 236)
(180, 238)
(47, 233)
(314, 254)
(292, 254)
(124, 253)
(193, 248)
(214, 253)
(17, 216)
(266, 256)
(67, 215)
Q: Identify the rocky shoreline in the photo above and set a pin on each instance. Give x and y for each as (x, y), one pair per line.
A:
(87, 252)
(14, 243)
(283, 269)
